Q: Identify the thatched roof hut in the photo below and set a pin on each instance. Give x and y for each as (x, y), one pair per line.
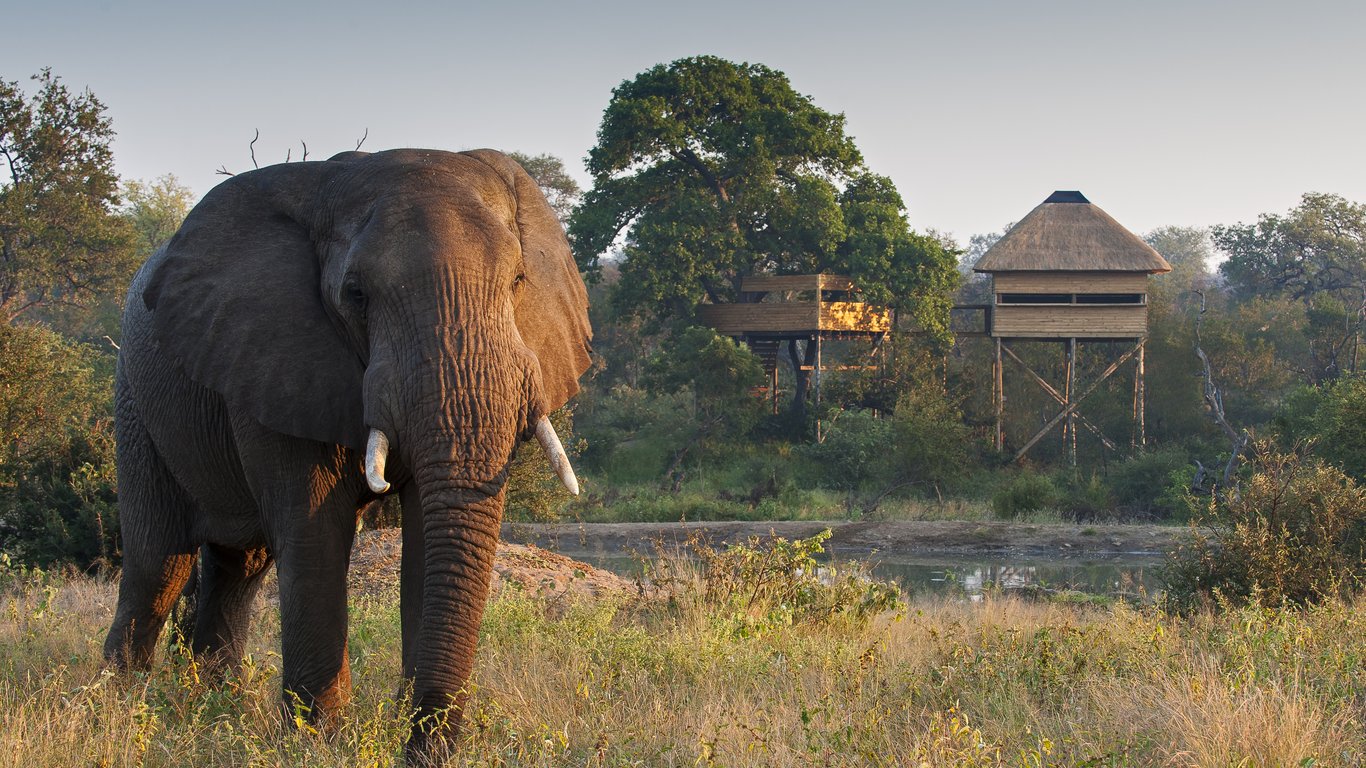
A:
(1068, 270)
(1068, 233)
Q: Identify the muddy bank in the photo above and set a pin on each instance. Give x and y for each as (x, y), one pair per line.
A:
(931, 537)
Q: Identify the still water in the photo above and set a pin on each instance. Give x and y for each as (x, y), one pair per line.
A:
(1131, 577)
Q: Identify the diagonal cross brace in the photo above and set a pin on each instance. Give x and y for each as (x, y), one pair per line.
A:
(1056, 395)
(1109, 370)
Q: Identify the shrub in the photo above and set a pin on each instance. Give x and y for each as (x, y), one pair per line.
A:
(1025, 493)
(1086, 498)
(854, 451)
(1333, 417)
(1141, 482)
(56, 450)
(763, 584)
(1294, 530)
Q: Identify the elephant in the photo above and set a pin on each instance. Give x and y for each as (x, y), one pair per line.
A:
(317, 335)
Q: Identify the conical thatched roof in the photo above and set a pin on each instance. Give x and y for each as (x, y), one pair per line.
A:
(1068, 233)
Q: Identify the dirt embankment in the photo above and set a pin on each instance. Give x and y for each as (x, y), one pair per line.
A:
(899, 538)
(529, 569)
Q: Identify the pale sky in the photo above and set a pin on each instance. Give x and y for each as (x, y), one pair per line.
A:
(1186, 113)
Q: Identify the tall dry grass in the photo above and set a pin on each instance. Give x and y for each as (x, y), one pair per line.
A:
(683, 683)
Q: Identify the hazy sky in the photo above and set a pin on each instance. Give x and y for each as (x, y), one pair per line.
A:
(1191, 113)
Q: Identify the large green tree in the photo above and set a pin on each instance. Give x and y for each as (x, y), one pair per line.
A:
(713, 171)
(1314, 254)
(62, 242)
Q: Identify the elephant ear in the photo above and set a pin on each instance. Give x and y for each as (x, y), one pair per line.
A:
(235, 298)
(552, 308)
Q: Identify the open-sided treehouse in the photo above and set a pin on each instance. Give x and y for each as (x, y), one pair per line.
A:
(813, 309)
(1068, 272)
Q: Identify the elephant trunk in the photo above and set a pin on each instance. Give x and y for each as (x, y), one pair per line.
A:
(460, 524)
(460, 421)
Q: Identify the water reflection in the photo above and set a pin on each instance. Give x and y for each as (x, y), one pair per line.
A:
(1131, 578)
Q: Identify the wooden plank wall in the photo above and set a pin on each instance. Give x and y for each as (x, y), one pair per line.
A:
(1070, 282)
(798, 316)
(1064, 322)
(735, 319)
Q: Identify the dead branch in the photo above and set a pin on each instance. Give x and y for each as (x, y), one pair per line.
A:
(1214, 401)
(362, 139)
(305, 157)
(223, 171)
(252, 146)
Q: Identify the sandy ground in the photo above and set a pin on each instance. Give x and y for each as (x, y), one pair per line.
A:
(530, 569)
(901, 538)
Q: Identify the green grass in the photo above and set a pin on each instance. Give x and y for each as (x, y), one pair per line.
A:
(673, 683)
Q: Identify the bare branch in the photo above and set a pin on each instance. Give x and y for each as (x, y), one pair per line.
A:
(252, 147)
(288, 154)
(305, 157)
(223, 171)
(1214, 400)
(362, 139)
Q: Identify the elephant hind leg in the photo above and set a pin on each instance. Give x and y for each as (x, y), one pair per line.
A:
(229, 581)
(158, 556)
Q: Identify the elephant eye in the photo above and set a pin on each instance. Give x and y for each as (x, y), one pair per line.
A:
(519, 279)
(355, 295)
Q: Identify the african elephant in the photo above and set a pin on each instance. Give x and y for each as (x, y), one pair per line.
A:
(308, 324)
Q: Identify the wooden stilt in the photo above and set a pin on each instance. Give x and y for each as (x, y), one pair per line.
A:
(998, 391)
(773, 388)
(1139, 397)
(1069, 430)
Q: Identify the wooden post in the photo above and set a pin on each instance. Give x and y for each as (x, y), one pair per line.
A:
(1139, 410)
(1069, 429)
(773, 387)
(999, 392)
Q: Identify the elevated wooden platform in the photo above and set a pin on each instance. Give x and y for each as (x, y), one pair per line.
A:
(796, 306)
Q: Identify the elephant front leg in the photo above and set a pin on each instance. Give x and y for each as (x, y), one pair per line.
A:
(312, 568)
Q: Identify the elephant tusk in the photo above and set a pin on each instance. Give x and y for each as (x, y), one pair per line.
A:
(554, 450)
(376, 453)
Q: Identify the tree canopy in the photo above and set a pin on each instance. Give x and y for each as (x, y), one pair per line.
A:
(1316, 255)
(559, 188)
(715, 171)
(1319, 246)
(61, 240)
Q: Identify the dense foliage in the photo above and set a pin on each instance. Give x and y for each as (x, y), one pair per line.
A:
(714, 171)
(1294, 531)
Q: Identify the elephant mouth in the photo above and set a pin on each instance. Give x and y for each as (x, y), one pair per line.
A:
(377, 455)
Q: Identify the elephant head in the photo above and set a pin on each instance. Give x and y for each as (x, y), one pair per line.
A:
(412, 303)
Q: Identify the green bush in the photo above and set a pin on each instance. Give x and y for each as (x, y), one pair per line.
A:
(1332, 418)
(855, 451)
(57, 480)
(1086, 498)
(763, 584)
(1025, 493)
(1293, 530)
(1141, 482)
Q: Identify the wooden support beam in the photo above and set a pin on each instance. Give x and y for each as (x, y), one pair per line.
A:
(1139, 415)
(1058, 397)
(998, 380)
(1067, 411)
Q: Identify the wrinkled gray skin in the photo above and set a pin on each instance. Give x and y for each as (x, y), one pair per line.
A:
(427, 294)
